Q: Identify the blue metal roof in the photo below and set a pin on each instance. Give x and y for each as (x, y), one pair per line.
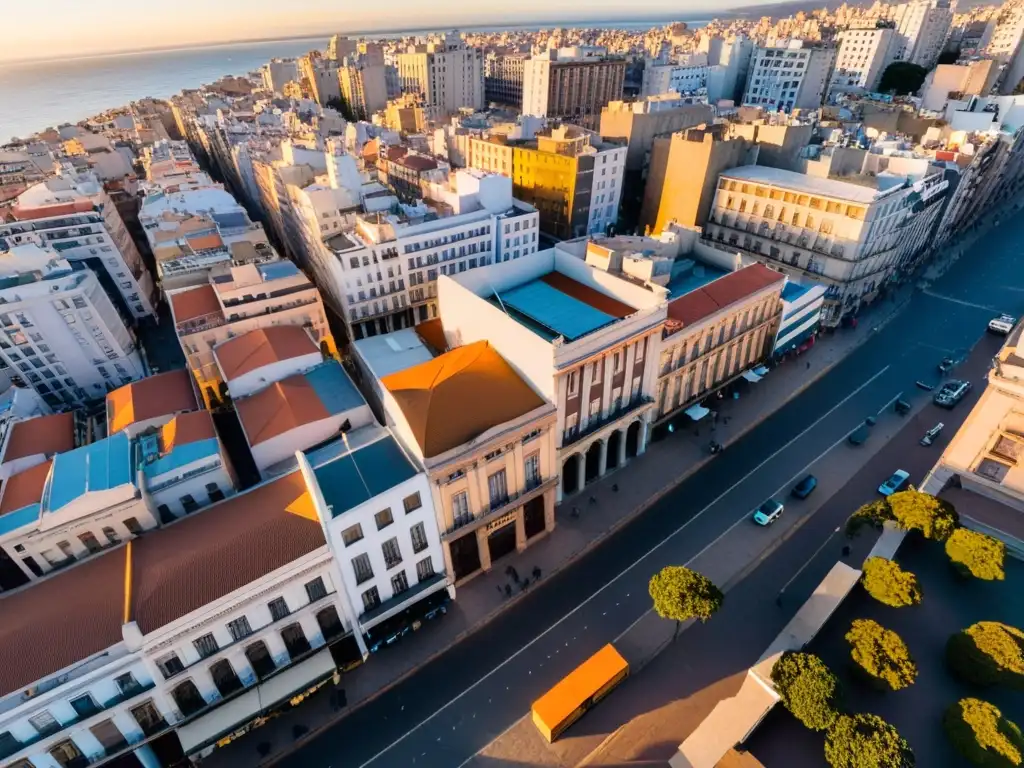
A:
(278, 269)
(355, 478)
(182, 456)
(334, 388)
(19, 518)
(231, 219)
(792, 291)
(100, 466)
(688, 276)
(561, 313)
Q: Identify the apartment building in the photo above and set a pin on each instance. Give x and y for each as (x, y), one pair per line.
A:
(380, 274)
(1002, 42)
(279, 72)
(922, 31)
(72, 214)
(446, 73)
(170, 166)
(568, 330)
(801, 317)
(363, 85)
(503, 77)
(784, 78)
(565, 85)
(862, 57)
(405, 114)
(852, 238)
(318, 76)
(686, 76)
(407, 172)
(60, 334)
(237, 299)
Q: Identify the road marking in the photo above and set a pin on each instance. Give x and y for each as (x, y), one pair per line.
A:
(961, 302)
(614, 579)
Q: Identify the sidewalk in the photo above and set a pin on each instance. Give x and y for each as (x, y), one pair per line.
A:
(640, 483)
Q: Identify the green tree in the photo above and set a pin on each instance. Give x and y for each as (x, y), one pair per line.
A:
(901, 78)
(885, 581)
(871, 515)
(987, 653)
(975, 554)
(916, 511)
(866, 741)
(680, 594)
(807, 688)
(881, 653)
(982, 735)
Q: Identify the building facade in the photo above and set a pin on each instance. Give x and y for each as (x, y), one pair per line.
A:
(503, 78)
(573, 89)
(862, 57)
(784, 78)
(446, 73)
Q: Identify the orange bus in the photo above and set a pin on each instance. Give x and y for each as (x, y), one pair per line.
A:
(586, 685)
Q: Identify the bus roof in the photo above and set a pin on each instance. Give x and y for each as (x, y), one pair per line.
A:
(579, 685)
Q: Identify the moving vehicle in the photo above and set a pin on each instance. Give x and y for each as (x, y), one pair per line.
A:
(581, 689)
(804, 488)
(768, 512)
(952, 392)
(1002, 325)
(931, 434)
(894, 483)
(946, 365)
(860, 434)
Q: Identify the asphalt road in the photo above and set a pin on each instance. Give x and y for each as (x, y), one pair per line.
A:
(452, 708)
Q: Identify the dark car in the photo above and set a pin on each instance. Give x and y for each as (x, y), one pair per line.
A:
(859, 435)
(952, 393)
(805, 487)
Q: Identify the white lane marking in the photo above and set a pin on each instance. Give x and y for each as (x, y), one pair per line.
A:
(961, 302)
(626, 570)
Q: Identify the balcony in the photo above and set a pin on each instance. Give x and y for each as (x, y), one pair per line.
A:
(596, 424)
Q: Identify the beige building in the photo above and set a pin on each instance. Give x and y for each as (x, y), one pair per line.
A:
(363, 86)
(446, 73)
(405, 114)
(575, 90)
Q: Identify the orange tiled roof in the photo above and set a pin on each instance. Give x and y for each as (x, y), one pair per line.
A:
(24, 488)
(459, 395)
(204, 242)
(280, 408)
(187, 428)
(587, 295)
(45, 434)
(694, 306)
(195, 303)
(261, 347)
(56, 209)
(160, 395)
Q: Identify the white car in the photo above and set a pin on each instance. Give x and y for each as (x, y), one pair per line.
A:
(894, 483)
(768, 512)
(1002, 324)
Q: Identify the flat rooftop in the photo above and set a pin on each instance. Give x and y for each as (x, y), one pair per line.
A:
(98, 466)
(800, 182)
(554, 305)
(393, 352)
(354, 477)
(689, 275)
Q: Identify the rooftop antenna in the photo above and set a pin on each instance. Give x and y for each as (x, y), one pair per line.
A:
(351, 453)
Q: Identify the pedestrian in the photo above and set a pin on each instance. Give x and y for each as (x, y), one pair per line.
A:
(615, 487)
(593, 501)
(508, 590)
(575, 511)
(515, 573)
(536, 573)
(808, 365)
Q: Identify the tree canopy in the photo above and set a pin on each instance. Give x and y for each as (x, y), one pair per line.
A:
(988, 653)
(680, 594)
(975, 554)
(866, 741)
(881, 653)
(916, 511)
(982, 735)
(901, 78)
(871, 515)
(885, 581)
(807, 688)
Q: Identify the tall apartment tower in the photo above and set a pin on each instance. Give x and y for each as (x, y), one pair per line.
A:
(1003, 43)
(862, 57)
(568, 86)
(503, 77)
(446, 73)
(789, 77)
(923, 29)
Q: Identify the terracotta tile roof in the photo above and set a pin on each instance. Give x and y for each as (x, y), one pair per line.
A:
(187, 428)
(261, 347)
(587, 295)
(431, 332)
(417, 163)
(459, 395)
(56, 209)
(24, 488)
(694, 306)
(44, 434)
(204, 242)
(280, 408)
(185, 566)
(195, 303)
(161, 395)
(61, 620)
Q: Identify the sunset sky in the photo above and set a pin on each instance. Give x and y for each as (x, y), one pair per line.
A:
(52, 28)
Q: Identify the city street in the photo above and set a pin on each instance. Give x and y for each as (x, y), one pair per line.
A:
(451, 709)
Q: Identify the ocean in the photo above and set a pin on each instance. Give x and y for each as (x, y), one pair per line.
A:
(38, 94)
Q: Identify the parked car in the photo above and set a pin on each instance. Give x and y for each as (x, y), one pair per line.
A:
(946, 365)
(860, 434)
(804, 488)
(952, 392)
(768, 512)
(894, 483)
(1002, 325)
(931, 434)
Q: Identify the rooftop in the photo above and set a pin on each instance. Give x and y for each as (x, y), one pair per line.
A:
(555, 305)
(194, 303)
(42, 435)
(98, 466)
(161, 395)
(842, 190)
(21, 494)
(457, 396)
(185, 439)
(356, 476)
(689, 275)
(718, 294)
(261, 347)
(392, 352)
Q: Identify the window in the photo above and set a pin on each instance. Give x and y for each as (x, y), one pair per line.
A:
(640, 345)
(127, 684)
(460, 510)
(278, 608)
(316, 590)
(383, 518)
(363, 569)
(618, 359)
(206, 645)
(572, 384)
(532, 470)
(111, 535)
(170, 665)
(90, 542)
(412, 502)
(295, 640)
(352, 534)
(595, 407)
(371, 599)
(239, 628)
(66, 754)
(84, 706)
(399, 583)
(392, 552)
(225, 677)
(571, 420)
(44, 722)
(424, 569)
(498, 488)
(595, 371)
(133, 526)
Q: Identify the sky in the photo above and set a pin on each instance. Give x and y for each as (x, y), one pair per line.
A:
(73, 28)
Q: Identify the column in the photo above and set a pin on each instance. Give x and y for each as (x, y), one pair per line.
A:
(277, 648)
(204, 682)
(549, 510)
(127, 726)
(147, 756)
(483, 549)
(603, 466)
(17, 558)
(622, 446)
(520, 530)
(88, 744)
(581, 471)
(311, 629)
(165, 705)
(240, 663)
(641, 443)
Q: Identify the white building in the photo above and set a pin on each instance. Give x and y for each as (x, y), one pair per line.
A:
(784, 78)
(61, 334)
(686, 76)
(922, 31)
(862, 57)
(1003, 42)
(446, 73)
(277, 73)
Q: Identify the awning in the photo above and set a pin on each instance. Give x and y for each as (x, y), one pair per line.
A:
(752, 377)
(697, 412)
(240, 710)
(761, 371)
